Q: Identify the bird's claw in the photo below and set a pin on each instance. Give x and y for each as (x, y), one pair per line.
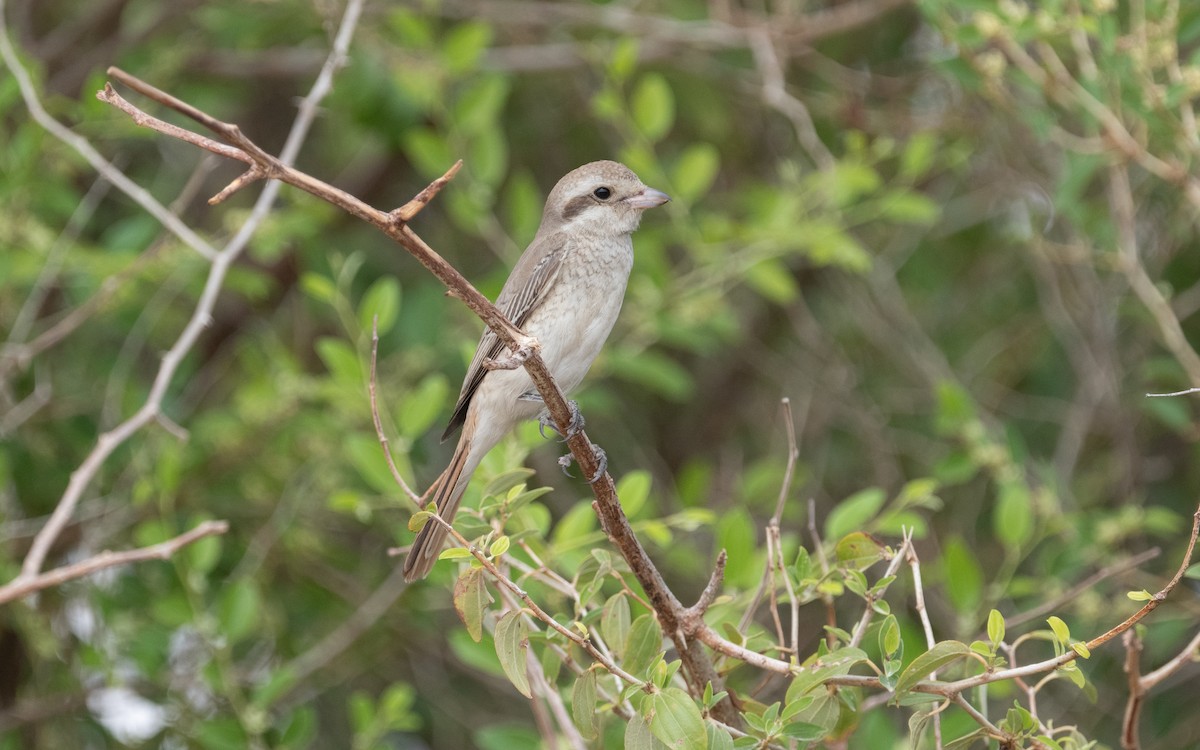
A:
(574, 427)
(565, 463)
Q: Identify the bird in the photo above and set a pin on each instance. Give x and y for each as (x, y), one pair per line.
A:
(566, 291)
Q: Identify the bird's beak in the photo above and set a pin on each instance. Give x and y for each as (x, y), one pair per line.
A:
(648, 198)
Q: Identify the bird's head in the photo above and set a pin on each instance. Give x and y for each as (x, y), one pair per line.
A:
(603, 197)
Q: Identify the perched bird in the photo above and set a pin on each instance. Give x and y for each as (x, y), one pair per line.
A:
(565, 291)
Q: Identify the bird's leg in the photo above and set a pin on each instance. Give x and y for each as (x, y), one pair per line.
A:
(565, 463)
(574, 427)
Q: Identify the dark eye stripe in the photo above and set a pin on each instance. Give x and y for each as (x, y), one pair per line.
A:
(575, 206)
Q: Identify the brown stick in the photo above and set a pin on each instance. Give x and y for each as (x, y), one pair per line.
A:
(25, 585)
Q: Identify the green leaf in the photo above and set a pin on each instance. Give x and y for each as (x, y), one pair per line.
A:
(735, 534)
(639, 737)
(478, 105)
(1060, 629)
(511, 647)
(653, 106)
(204, 554)
(464, 45)
(718, 737)
(858, 551)
(804, 731)
(622, 59)
(675, 720)
(614, 623)
(633, 489)
(836, 663)
(583, 705)
(964, 576)
(918, 156)
(995, 627)
(418, 408)
(428, 150)
(418, 520)
(654, 371)
(889, 636)
(1081, 648)
(773, 280)
(500, 546)
(239, 610)
(1013, 517)
(955, 409)
(470, 600)
(941, 655)
(382, 299)
(643, 645)
(695, 171)
(1140, 596)
(854, 512)
(341, 360)
(909, 208)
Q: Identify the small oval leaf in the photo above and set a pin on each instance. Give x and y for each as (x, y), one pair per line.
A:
(511, 647)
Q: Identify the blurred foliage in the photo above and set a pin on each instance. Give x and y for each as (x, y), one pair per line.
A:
(945, 303)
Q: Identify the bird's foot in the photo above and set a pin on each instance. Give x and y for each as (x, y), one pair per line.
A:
(565, 463)
(574, 427)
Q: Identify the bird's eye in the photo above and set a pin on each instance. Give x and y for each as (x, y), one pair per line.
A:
(602, 193)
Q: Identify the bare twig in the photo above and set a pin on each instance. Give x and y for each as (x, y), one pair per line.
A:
(23, 586)
(1121, 199)
(819, 548)
(1085, 585)
(383, 439)
(1186, 392)
(914, 564)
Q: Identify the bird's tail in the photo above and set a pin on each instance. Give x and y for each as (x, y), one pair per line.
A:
(447, 494)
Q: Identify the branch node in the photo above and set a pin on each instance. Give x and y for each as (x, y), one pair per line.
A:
(253, 174)
(406, 212)
(710, 591)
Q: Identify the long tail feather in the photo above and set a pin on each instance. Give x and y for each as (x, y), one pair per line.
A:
(447, 495)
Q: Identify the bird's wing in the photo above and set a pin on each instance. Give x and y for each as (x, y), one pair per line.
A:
(526, 288)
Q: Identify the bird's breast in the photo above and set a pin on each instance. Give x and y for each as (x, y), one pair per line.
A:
(581, 307)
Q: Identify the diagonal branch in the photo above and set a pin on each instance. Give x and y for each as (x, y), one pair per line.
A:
(24, 586)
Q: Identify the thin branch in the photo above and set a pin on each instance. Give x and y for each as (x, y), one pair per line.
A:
(785, 489)
(904, 553)
(1137, 694)
(1124, 217)
(1186, 656)
(23, 586)
(710, 590)
(819, 547)
(1085, 585)
(776, 96)
(383, 439)
(1186, 392)
(923, 612)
